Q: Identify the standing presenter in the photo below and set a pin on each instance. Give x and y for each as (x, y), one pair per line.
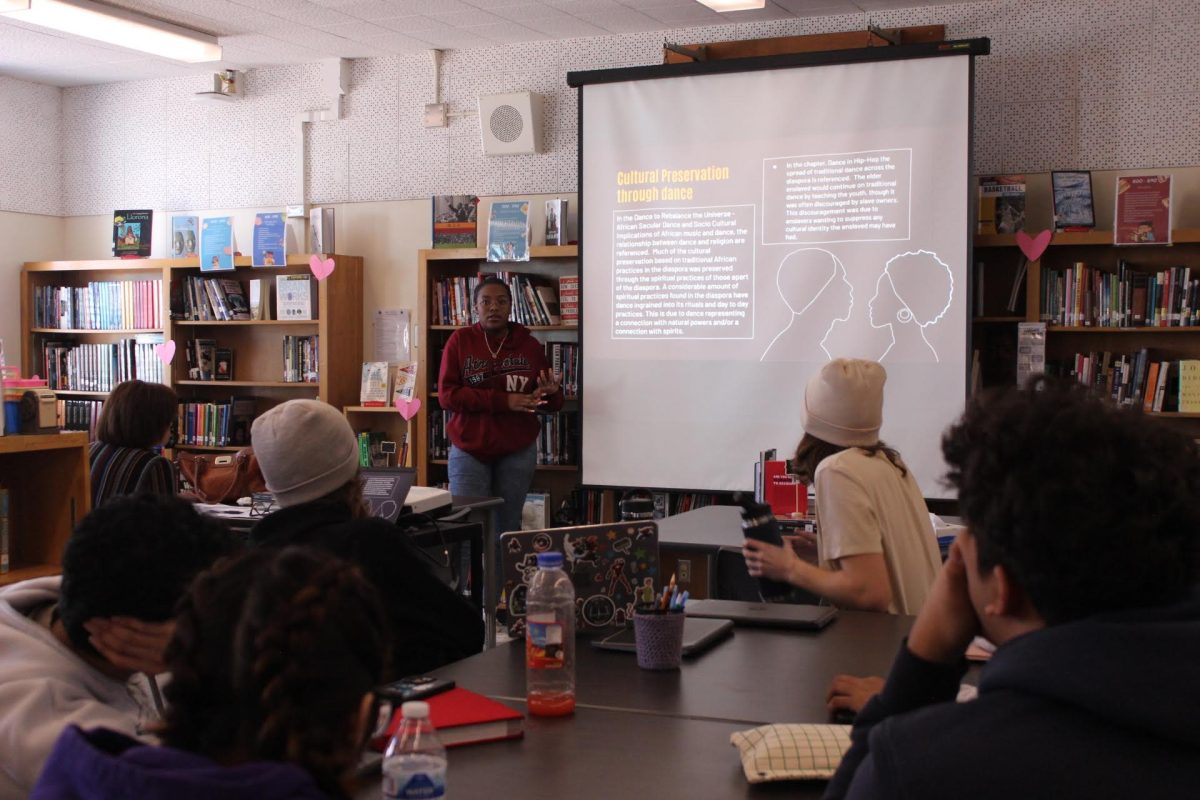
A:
(493, 379)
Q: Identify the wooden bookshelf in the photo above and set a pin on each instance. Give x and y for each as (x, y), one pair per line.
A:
(256, 344)
(997, 342)
(43, 511)
(387, 420)
(546, 262)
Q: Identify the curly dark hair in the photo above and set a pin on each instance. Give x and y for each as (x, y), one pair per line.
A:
(137, 414)
(1090, 507)
(135, 556)
(272, 654)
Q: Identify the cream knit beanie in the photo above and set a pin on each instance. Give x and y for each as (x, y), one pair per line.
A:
(306, 449)
(843, 403)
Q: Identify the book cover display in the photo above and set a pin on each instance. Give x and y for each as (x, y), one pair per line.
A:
(1073, 208)
(216, 244)
(1001, 204)
(185, 237)
(373, 389)
(293, 294)
(131, 233)
(556, 222)
(508, 231)
(270, 240)
(455, 220)
(1143, 210)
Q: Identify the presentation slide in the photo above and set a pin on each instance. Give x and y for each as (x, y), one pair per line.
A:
(740, 230)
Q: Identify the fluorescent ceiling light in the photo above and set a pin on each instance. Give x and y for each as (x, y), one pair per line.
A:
(116, 26)
(734, 5)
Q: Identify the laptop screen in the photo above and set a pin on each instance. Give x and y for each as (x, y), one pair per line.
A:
(385, 489)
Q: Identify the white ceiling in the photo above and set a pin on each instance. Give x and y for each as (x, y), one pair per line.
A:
(266, 32)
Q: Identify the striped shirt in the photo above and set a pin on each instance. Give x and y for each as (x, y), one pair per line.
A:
(128, 470)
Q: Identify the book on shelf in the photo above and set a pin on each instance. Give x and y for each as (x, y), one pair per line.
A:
(293, 294)
(216, 244)
(548, 300)
(556, 222)
(1073, 207)
(79, 415)
(535, 513)
(321, 231)
(132, 229)
(564, 361)
(455, 220)
(1001, 204)
(5, 530)
(461, 717)
(300, 359)
(269, 248)
(185, 237)
(1086, 296)
(237, 307)
(556, 439)
(1189, 386)
(404, 384)
(373, 388)
(223, 364)
(204, 366)
(242, 413)
(508, 231)
(100, 305)
(568, 299)
(1019, 278)
(662, 504)
(207, 424)
(260, 298)
(100, 366)
(1142, 210)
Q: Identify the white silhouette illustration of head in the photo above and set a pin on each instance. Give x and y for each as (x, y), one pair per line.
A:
(806, 275)
(913, 288)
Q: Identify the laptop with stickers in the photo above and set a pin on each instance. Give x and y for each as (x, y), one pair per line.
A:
(612, 566)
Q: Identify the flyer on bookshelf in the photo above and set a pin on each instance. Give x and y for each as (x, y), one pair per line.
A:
(1143, 210)
(508, 231)
(1073, 207)
(1001, 204)
(556, 222)
(405, 383)
(293, 294)
(455, 220)
(132, 233)
(270, 240)
(373, 390)
(183, 237)
(216, 244)
(1031, 350)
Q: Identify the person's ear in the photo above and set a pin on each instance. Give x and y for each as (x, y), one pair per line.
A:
(1007, 598)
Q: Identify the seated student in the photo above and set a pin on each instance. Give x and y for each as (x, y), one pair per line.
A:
(1080, 563)
(132, 557)
(876, 546)
(273, 663)
(136, 418)
(309, 458)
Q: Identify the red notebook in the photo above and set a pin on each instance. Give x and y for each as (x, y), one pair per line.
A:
(464, 717)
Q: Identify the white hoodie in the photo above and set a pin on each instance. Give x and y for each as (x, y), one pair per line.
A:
(44, 687)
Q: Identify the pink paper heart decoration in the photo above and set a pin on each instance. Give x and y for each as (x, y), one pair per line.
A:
(165, 351)
(320, 267)
(1035, 246)
(407, 408)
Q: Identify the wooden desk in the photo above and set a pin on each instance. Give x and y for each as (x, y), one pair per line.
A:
(637, 733)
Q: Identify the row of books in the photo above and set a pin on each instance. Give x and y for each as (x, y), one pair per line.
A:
(99, 367)
(99, 306)
(79, 415)
(1087, 296)
(557, 442)
(373, 453)
(216, 424)
(1136, 379)
(213, 299)
(535, 301)
(601, 505)
(564, 360)
(301, 359)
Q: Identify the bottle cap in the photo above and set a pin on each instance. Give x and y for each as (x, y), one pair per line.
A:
(549, 560)
(415, 709)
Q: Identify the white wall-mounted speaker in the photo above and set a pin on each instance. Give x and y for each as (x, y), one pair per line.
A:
(511, 123)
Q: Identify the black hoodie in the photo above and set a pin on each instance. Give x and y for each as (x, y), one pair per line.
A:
(431, 624)
(1105, 707)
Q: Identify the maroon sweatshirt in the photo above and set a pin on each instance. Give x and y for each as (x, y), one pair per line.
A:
(475, 386)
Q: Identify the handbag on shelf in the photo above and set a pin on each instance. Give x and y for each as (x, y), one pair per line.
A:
(222, 478)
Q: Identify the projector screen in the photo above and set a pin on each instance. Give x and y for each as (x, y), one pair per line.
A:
(741, 228)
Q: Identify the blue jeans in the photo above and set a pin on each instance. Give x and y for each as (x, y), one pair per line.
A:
(508, 477)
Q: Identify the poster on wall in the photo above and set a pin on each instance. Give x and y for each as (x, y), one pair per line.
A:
(131, 233)
(270, 240)
(216, 244)
(1143, 210)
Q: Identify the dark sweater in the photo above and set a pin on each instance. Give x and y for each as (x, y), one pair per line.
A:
(105, 765)
(1100, 708)
(475, 385)
(431, 624)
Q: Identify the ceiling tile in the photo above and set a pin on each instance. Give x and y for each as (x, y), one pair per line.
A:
(507, 32)
(622, 20)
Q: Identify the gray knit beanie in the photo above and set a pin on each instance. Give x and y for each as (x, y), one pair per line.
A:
(306, 450)
(843, 403)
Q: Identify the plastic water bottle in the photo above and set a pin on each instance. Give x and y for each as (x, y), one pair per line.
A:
(414, 764)
(550, 639)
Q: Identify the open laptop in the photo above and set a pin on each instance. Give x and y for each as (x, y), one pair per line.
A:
(698, 635)
(764, 615)
(612, 565)
(385, 490)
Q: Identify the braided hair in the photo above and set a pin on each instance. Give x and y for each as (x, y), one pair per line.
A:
(272, 655)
